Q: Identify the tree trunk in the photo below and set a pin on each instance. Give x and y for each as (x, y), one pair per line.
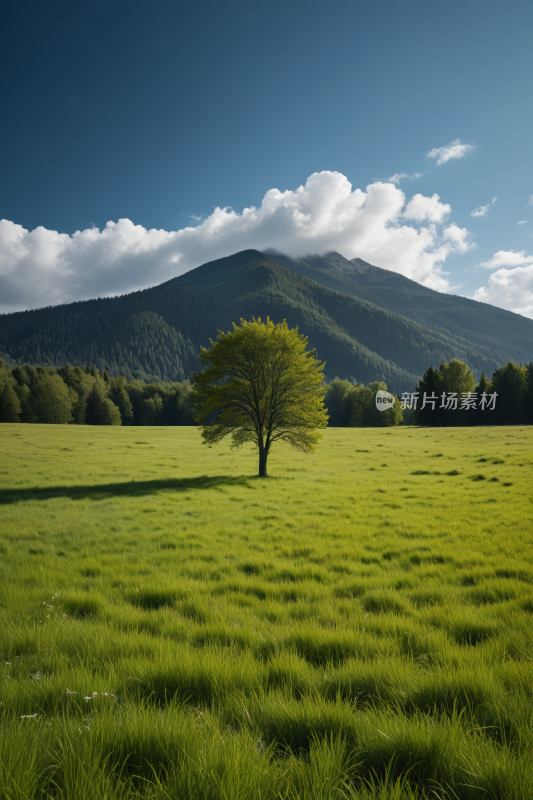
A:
(263, 463)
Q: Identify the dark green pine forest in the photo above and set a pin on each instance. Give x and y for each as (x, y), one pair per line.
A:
(367, 323)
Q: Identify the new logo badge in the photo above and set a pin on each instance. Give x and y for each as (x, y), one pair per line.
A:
(384, 400)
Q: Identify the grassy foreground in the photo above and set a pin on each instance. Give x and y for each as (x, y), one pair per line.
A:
(358, 625)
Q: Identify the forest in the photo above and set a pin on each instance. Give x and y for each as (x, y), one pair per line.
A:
(447, 396)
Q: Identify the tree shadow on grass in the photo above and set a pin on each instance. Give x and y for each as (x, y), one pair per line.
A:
(103, 491)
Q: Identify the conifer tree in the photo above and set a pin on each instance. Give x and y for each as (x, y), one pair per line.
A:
(430, 414)
(511, 384)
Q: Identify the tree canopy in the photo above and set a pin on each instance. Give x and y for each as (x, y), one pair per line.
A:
(261, 385)
(53, 402)
(452, 380)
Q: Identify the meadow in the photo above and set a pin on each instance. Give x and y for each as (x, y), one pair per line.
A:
(358, 625)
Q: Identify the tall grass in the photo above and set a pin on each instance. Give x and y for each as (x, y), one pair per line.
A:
(358, 625)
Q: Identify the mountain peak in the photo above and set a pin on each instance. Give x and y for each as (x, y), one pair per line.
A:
(221, 270)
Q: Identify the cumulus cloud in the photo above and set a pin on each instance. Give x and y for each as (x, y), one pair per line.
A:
(494, 200)
(422, 208)
(44, 267)
(453, 150)
(511, 289)
(508, 258)
(482, 211)
(460, 238)
(399, 176)
(522, 222)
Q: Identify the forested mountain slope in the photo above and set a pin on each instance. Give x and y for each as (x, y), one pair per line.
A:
(500, 333)
(361, 333)
(157, 333)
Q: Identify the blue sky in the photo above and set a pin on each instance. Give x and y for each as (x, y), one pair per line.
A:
(159, 113)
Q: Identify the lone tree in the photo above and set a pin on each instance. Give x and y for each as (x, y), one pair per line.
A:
(260, 385)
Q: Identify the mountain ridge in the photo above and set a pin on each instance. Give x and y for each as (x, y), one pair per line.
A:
(157, 333)
(420, 303)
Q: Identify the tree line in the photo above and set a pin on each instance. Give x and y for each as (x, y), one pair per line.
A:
(88, 396)
(507, 399)
(446, 396)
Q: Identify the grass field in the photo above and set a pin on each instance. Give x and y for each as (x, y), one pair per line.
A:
(357, 625)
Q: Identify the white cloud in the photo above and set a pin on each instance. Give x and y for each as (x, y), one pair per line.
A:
(508, 258)
(530, 200)
(494, 200)
(453, 150)
(522, 222)
(459, 238)
(482, 211)
(511, 289)
(421, 208)
(44, 267)
(398, 176)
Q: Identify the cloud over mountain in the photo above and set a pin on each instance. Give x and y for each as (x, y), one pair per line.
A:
(511, 286)
(44, 267)
(511, 289)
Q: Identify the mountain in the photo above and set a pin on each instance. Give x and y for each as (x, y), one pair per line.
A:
(497, 332)
(360, 331)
